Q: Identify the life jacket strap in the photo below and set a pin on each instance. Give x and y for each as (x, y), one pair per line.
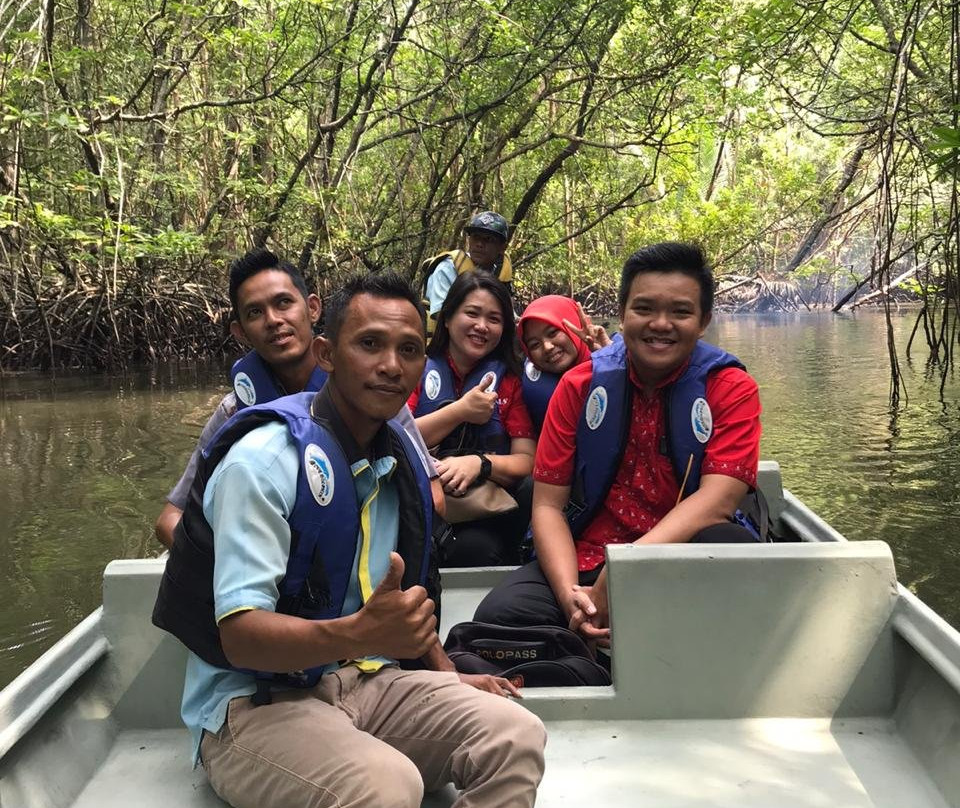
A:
(263, 695)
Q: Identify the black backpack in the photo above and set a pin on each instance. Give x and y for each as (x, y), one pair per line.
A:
(529, 656)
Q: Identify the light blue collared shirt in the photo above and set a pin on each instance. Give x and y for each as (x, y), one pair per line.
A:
(439, 283)
(247, 501)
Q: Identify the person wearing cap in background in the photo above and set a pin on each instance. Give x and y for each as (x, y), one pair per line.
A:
(487, 235)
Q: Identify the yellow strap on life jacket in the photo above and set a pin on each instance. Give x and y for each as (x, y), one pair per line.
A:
(367, 665)
(463, 262)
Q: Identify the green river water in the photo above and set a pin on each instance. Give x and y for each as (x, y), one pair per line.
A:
(85, 461)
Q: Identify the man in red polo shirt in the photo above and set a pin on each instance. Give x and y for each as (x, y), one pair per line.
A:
(682, 452)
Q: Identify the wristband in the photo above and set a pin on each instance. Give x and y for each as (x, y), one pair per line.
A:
(486, 468)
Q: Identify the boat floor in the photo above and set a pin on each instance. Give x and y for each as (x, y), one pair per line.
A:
(756, 763)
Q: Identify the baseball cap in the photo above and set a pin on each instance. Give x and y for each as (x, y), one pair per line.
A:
(488, 222)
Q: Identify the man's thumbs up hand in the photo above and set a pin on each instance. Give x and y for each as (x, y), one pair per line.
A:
(393, 577)
(397, 623)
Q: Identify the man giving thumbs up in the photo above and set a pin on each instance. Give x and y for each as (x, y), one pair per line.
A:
(302, 572)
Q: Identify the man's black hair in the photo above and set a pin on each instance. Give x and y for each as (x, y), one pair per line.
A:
(388, 285)
(670, 256)
(255, 261)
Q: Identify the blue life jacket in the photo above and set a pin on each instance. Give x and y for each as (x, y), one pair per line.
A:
(254, 383)
(324, 524)
(605, 422)
(538, 386)
(438, 388)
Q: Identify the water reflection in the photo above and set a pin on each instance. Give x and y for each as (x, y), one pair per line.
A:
(872, 473)
(85, 462)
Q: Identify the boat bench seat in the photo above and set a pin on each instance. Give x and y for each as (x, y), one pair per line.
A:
(742, 631)
(700, 632)
(722, 631)
(774, 640)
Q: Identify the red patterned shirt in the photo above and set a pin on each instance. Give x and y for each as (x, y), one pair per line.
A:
(645, 488)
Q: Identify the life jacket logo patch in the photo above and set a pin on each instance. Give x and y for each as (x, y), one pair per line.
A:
(244, 389)
(701, 419)
(319, 474)
(596, 407)
(532, 371)
(431, 385)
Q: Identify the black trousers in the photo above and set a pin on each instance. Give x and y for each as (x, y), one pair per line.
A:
(524, 597)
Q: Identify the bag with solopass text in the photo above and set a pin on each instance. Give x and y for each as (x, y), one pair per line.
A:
(529, 656)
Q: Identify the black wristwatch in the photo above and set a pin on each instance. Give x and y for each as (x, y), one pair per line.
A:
(486, 468)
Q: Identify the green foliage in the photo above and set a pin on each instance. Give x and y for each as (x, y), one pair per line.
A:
(946, 147)
(173, 135)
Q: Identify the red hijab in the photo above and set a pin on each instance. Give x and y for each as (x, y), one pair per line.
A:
(553, 309)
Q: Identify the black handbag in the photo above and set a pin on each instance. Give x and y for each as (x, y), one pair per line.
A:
(529, 656)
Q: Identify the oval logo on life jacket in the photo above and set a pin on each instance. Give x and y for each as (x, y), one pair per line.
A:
(319, 474)
(243, 387)
(489, 382)
(596, 407)
(701, 419)
(431, 385)
(532, 371)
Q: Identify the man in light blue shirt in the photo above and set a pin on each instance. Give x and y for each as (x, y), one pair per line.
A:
(365, 732)
(274, 315)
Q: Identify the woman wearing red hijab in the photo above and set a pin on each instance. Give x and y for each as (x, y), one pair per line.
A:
(553, 345)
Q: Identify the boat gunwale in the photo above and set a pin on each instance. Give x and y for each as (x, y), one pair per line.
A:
(929, 634)
(29, 697)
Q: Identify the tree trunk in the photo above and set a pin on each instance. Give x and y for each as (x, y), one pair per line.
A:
(820, 230)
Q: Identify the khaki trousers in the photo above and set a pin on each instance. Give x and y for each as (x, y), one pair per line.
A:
(377, 741)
